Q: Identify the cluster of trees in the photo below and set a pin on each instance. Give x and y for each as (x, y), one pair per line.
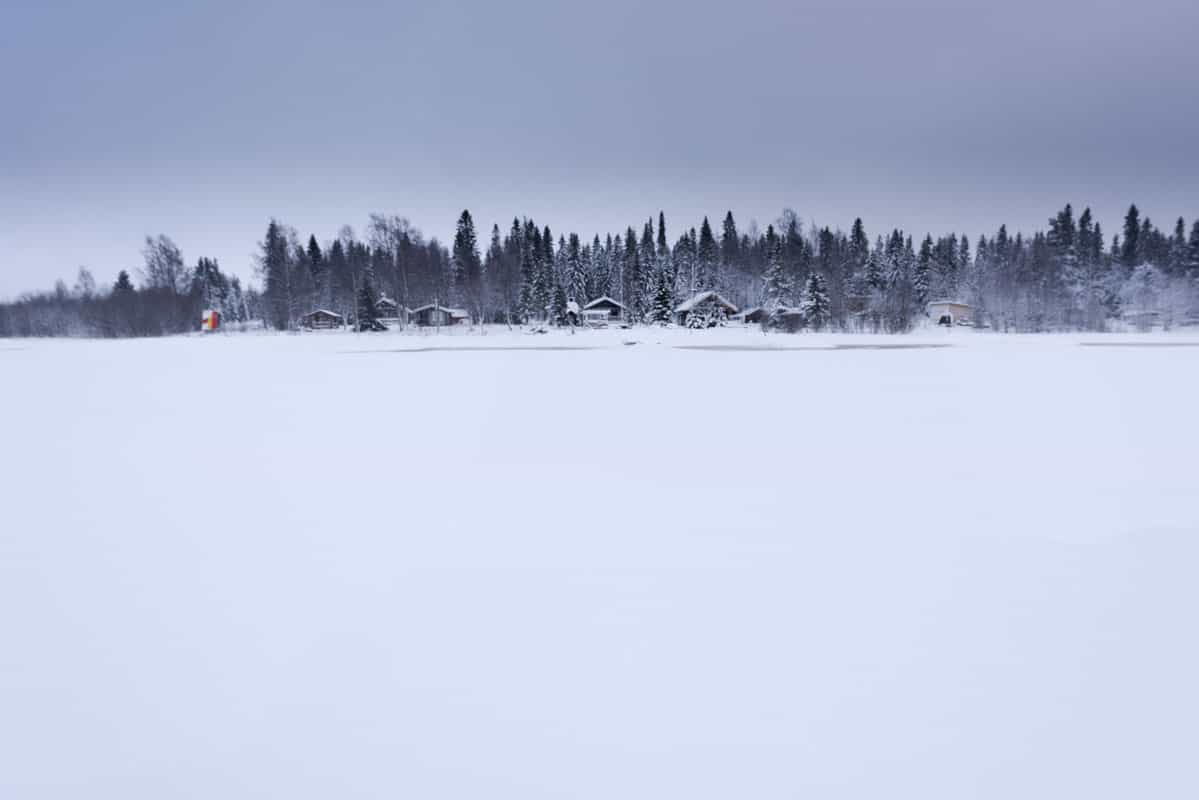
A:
(169, 299)
(1065, 278)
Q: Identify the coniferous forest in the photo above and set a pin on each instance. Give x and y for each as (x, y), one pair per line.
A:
(1069, 277)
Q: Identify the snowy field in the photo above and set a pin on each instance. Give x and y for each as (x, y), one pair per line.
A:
(521, 566)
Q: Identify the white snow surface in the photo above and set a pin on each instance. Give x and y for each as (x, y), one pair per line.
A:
(356, 565)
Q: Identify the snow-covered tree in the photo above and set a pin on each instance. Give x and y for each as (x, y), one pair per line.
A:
(816, 306)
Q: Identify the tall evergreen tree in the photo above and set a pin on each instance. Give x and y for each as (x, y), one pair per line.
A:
(274, 264)
(367, 314)
(1176, 263)
(778, 286)
(922, 279)
(576, 273)
(468, 266)
(816, 306)
(322, 293)
(1192, 262)
(1131, 247)
(707, 259)
(730, 243)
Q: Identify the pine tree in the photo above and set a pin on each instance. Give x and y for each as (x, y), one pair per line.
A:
(320, 274)
(922, 278)
(576, 273)
(634, 281)
(544, 294)
(303, 288)
(209, 287)
(1176, 263)
(273, 262)
(816, 306)
(123, 286)
(528, 271)
(664, 300)
(341, 280)
(875, 276)
(1130, 249)
(558, 305)
(707, 259)
(777, 280)
(124, 307)
(730, 244)
(597, 271)
(468, 266)
(367, 313)
(500, 275)
(1192, 261)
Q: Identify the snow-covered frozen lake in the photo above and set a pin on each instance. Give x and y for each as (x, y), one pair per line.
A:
(706, 565)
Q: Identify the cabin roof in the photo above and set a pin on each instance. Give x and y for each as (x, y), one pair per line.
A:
(453, 312)
(703, 297)
(605, 299)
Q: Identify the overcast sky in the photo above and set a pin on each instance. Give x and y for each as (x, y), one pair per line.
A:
(202, 120)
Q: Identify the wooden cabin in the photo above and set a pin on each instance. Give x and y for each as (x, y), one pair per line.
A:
(752, 316)
(787, 319)
(950, 313)
(434, 315)
(321, 319)
(387, 308)
(602, 311)
(705, 309)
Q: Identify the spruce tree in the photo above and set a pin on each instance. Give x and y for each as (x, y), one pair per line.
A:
(664, 300)
(1176, 263)
(816, 306)
(273, 262)
(528, 271)
(634, 282)
(707, 258)
(922, 278)
(468, 266)
(320, 274)
(341, 281)
(730, 244)
(650, 264)
(1130, 249)
(576, 272)
(558, 305)
(367, 313)
(123, 286)
(1192, 261)
(777, 280)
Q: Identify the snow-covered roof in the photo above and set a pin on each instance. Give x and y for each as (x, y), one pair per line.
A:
(703, 297)
(572, 307)
(323, 311)
(453, 312)
(747, 312)
(604, 299)
(386, 301)
(957, 303)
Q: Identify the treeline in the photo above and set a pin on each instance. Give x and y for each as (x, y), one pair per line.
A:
(1065, 278)
(169, 299)
(1068, 277)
